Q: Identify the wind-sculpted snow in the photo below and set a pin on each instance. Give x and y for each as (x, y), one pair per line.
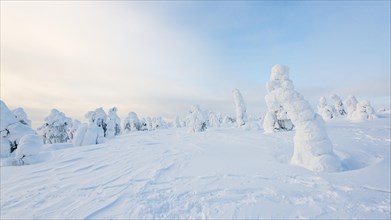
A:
(222, 173)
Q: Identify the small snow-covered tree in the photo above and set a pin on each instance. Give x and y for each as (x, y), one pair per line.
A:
(88, 134)
(94, 131)
(113, 123)
(324, 110)
(213, 120)
(146, 124)
(196, 120)
(55, 128)
(132, 123)
(19, 142)
(351, 105)
(338, 108)
(312, 147)
(158, 123)
(364, 111)
(72, 130)
(229, 121)
(21, 116)
(177, 122)
(240, 108)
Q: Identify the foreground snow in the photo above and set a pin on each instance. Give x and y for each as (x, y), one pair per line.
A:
(220, 173)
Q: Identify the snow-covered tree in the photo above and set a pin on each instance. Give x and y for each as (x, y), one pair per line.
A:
(55, 128)
(19, 142)
(324, 110)
(88, 134)
(21, 116)
(351, 105)
(99, 118)
(94, 131)
(72, 130)
(146, 124)
(312, 147)
(213, 120)
(229, 121)
(132, 123)
(277, 120)
(338, 108)
(113, 123)
(196, 120)
(158, 123)
(177, 122)
(364, 111)
(240, 108)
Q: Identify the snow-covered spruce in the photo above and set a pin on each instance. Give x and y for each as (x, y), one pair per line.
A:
(132, 123)
(338, 108)
(72, 130)
(351, 105)
(177, 122)
(21, 116)
(158, 123)
(99, 118)
(213, 120)
(313, 149)
(228, 121)
(113, 123)
(364, 111)
(55, 128)
(146, 124)
(94, 132)
(240, 108)
(324, 110)
(196, 120)
(19, 143)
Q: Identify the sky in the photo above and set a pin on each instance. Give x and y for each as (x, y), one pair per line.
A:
(157, 58)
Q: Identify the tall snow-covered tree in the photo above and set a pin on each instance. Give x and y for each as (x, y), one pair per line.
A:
(312, 147)
(324, 110)
(21, 116)
(196, 120)
(55, 128)
(240, 108)
(338, 108)
(132, 123)
(18, 140)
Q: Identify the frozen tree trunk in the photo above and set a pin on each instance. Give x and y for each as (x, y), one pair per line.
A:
(313, 149)
(240, 108)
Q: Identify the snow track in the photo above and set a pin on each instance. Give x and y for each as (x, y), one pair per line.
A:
(221, 173)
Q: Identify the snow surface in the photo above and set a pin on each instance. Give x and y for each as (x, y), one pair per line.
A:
(220, 173)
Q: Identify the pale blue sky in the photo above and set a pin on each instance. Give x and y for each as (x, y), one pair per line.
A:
(159, 57)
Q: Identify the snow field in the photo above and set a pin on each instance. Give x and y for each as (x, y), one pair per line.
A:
(220, 173)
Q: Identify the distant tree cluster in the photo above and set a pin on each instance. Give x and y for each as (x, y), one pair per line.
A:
(350, 109)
